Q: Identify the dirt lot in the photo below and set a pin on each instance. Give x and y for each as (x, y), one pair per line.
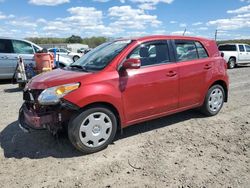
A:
(183, 150)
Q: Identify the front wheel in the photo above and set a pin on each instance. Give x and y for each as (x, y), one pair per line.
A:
(214, 100)
(93, 129)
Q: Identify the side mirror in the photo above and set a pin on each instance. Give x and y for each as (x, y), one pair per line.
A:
(132, 64)
(222, 54)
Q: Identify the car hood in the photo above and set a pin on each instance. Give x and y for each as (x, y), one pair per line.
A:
(55, 78)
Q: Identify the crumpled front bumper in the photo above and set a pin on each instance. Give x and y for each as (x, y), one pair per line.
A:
(29, 119)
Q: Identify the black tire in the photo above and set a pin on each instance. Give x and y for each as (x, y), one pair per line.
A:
(206, 108)
(231, 63)
(75, 58)
(21, 85)
(76, 123)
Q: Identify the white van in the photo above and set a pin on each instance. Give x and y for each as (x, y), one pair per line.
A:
(11, 49)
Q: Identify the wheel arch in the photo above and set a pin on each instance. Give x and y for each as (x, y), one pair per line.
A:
(106, 105)
(224, 85)
(234, 57)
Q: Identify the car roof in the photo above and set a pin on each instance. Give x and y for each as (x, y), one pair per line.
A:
(162, 37)
(12, 38)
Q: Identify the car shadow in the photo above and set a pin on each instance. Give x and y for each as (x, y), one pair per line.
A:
(41, 144)
(13, 90)
(34, 145)
(159, 123)
(3, 82)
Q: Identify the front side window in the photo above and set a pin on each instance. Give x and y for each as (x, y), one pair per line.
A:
(186, 50)
(241, 48)
(36, 49)
(53, 50)
(247, 48)
(151, 54)
(5, 46)
(21, 47)
(98, 58)
(64, 50)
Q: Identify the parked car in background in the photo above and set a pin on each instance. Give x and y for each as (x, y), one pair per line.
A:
(235, 54)
(12, 48)
(125, 82)
(84, 50)
(63, 51)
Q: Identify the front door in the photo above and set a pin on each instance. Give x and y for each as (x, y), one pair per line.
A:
(242, 53)
(152, 89)
(248, 53)
(24, 50)
(8, 59)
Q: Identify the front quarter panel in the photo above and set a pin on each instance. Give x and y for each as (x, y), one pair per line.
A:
(99, 91)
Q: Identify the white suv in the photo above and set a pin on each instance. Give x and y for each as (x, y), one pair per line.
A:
(235, 54)
(11, 49)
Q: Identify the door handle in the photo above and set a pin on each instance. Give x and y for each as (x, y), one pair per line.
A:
(171, 73)
(4, 57)
(208, 66)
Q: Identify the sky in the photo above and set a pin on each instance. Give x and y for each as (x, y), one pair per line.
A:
(125, 18)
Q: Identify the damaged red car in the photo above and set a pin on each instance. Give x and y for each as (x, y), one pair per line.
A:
(124, 82)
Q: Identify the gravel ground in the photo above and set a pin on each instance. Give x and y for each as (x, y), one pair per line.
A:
(182, 150)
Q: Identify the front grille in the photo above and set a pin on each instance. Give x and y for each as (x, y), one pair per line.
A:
(31, 95)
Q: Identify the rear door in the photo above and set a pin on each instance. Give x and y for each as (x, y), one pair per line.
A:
(24, 50)
(8, 59)
(152, 89)
(194, 68)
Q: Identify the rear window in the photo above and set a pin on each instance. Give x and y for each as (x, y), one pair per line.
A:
(227, 48)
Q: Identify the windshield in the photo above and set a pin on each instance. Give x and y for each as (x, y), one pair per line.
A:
(98, 58)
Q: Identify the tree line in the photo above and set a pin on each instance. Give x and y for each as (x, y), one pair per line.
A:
(245, 41)
(91, 42)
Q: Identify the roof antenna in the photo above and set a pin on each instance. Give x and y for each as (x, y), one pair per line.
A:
(184, 31)
(215, 35)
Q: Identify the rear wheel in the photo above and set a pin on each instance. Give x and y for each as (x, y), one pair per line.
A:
(75, 58)
(214, 100)
(231, 63)
(93, 129)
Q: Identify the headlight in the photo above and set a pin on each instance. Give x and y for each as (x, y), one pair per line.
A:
(52, 96)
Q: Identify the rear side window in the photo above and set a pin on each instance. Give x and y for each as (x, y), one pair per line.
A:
(201, 50)
(241, 48)
(151, 53)
(228, 48)
(21, 47)
(5, 46)
(186, 50)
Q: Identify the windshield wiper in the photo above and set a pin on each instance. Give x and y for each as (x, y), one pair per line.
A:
(79, 67)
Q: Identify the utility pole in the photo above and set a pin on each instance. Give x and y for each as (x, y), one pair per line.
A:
(184, 31)
(215, 36)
